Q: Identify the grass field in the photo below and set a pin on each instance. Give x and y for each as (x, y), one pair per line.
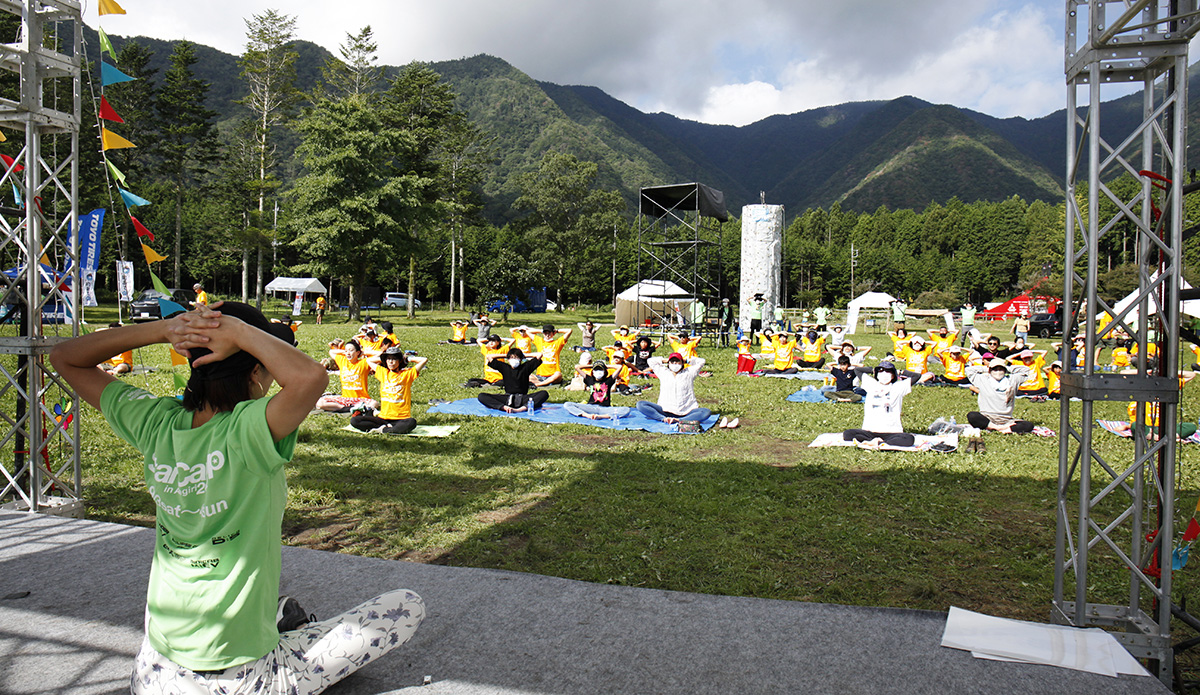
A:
(747, 512)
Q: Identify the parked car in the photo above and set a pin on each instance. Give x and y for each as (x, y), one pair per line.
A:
(1045, 325)
(497, 305)
(145, 307)
(398, 300)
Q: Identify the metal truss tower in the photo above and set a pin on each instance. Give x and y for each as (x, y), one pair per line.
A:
(1110, 513)
(40, 97)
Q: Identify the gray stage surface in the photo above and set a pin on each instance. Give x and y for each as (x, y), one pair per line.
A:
(489, 631)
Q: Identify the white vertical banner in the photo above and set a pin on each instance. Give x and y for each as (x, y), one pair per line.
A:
(298, 304)
(125, 281)
(88, 281)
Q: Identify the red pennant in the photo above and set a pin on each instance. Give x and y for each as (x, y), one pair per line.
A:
(8, 162)
(107, 112)
(1193, 530)
(141, 229)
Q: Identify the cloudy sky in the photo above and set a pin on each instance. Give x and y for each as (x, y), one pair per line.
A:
(716, 61)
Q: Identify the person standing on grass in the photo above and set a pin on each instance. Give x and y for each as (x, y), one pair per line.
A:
(321, 304)
(214, 466)
(201, 295)
(967, 320)
(725, 321)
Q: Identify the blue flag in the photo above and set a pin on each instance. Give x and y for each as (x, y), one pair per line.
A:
(131, 200)
(110, 75)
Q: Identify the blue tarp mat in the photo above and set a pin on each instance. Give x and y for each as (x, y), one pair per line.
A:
(808, 395)
(553, 414)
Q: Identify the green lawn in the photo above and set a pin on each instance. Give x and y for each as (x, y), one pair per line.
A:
(748, 512)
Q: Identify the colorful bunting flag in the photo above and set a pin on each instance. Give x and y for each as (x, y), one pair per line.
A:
(2, 138)
(141, 229)
(176, 358)
(110, 7)
(158, 285)
(132, 200)
(111, 141)
(106, 45)
(9, 162)
(167, 308)
(180, 382)
(107, 112)
(115, 171)
(152, 256)
(110, 75)
(17, 196)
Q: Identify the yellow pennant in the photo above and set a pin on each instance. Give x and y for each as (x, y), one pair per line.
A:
(111, 141)
(2, 138)
(152, 255)
(176, 358)
(110, 7)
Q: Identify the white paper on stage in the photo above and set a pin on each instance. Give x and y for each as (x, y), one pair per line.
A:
(988, 637)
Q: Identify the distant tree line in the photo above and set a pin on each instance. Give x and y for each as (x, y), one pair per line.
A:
(370, 181)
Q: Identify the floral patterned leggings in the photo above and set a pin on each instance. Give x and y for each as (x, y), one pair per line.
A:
(308, 659)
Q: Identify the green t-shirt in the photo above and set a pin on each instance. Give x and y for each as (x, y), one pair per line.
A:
(898, 311)
(219, 490)
(822, 315)
(968, 316)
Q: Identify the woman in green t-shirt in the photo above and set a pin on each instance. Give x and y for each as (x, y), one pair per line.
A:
(214, 468)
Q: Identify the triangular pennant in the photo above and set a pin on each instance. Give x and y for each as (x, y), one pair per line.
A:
(110, 7)
(176, 358)
(107, 112)
(2, 138)
(9, 161)
(158, 285)
(153, 256)
(167, 308)
(111, 141)
(141, 228)
(110, 75)
(1192, 532)
(132, 200)
(115, 171)
(180, 382)
(106, 45)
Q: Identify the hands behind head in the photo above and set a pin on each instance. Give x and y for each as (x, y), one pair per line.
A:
(204, 327)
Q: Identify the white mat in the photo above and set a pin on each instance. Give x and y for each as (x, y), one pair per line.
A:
(988, 637)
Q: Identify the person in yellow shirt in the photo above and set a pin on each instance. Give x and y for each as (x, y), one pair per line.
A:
(1035, 361)
(201, 295)
(549, 344)
(785, 355)
(458, 332)
(395, 375)
(954, 366)
(915, 353)
(684, 345)
(321, 305)
(812, 351)
(744, 347)
(624, 335)
(1150, 412)
(898, 336)
(522, 340)
(387, 333)
(942, 338)
(353, 368)
(494, 348)
(1054, 380)
(118, 364)
(767, 346)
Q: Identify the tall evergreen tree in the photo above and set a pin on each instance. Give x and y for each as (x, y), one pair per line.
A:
(356, 72)
(188, 138)
(269, 68)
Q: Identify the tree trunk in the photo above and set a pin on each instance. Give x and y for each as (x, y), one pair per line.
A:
(453, 259)
(462, 283)
(258, 282)
(178, 231)
(412, 286)
(246, 276)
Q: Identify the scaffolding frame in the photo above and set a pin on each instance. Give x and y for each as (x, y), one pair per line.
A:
(39, 444)
(679, 241)
(1109, 512)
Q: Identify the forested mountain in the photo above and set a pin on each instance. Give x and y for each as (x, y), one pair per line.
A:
(903, 153)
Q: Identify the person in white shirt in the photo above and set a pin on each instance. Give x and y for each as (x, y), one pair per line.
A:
(676, 395)
(881, 408)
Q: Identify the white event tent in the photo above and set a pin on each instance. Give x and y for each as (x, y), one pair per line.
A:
(293, 285)
(866, 300)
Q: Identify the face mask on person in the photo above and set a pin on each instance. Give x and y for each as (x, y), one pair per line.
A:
(999, 374)
(885, 378)
(675, 367)
(514, 362)
(599, 373)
